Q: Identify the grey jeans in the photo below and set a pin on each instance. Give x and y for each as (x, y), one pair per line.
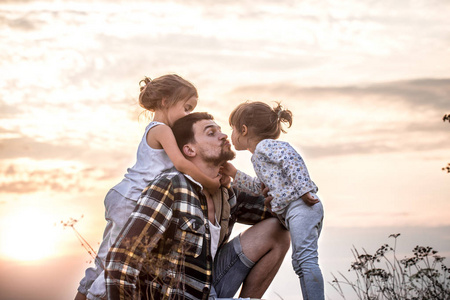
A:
(118, 209)
(305, 224)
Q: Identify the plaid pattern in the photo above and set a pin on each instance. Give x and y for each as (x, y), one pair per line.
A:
(163, 252)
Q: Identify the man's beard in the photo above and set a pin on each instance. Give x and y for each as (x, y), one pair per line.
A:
(224, 156)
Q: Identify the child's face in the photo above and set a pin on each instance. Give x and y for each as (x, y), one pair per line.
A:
(237, 139)
(180, 109)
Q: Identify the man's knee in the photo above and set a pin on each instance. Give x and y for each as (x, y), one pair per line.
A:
(278, 234)
(265, 237)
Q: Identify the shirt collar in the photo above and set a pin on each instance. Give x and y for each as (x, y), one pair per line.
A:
(193, 181)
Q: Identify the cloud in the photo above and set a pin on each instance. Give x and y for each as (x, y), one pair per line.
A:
(415, 94)
(8, 111)
(95, 54)
(27, 147)
(360, 119)
(16, 1)
(373, 146)
(21, 24)
(312, 40)
(39, 180)
(24, 179)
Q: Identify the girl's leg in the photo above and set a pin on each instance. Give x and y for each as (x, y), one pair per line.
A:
(118, 209)
(305, 223)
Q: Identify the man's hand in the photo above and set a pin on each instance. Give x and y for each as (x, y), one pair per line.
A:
(268, 198)
(310, 199)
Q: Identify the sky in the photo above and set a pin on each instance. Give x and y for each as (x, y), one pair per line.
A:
(368, 83)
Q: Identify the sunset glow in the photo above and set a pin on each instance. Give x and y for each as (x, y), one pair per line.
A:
(30, 236)
(367, 82)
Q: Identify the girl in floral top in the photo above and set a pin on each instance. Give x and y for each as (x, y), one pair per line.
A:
(256, 127)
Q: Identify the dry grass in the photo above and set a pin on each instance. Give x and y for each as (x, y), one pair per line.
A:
(382, 276)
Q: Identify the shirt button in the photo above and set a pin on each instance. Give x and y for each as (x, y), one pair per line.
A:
(209, 257)
(206, 290)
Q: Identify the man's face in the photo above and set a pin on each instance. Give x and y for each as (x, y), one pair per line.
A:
(212, 145)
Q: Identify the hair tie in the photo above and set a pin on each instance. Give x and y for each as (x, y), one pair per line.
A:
(279, 114)
(147, 84)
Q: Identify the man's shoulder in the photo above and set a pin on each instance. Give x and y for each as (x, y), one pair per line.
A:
(171, 177)
(168, 174)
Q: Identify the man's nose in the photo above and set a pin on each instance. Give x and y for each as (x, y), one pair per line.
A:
(223, 136)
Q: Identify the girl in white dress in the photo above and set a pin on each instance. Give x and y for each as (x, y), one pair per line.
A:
(169, 98)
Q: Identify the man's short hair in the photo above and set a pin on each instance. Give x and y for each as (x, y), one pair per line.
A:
(183, 128)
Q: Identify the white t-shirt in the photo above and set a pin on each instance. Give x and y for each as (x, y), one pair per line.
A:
(215, 235)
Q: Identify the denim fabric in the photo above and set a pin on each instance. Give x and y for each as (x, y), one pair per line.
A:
(118, 209)
(231, 267)
(305, 224)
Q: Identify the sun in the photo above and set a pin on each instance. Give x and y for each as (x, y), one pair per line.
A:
(27, 235)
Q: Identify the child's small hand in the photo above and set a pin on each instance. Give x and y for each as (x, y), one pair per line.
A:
(225, 181)
(310, 199)
(228, 169)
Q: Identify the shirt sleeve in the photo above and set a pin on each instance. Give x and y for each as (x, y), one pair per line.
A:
(247, 183)
(249, 208)
(141, 233)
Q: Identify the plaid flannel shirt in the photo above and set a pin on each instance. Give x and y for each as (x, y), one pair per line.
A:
(163, 251)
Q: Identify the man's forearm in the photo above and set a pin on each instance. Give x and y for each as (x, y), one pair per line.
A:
(250, 209)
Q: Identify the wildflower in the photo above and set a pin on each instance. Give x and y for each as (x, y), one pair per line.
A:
(383, 277)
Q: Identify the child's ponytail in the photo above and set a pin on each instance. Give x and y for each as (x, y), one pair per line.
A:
(262, 120)
(143, 84)
(283, 116)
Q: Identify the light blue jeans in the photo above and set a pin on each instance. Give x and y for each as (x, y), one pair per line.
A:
(117, 211)
(305, 224)
(231, 267)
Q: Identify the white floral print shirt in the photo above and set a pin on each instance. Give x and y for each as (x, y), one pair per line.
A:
(281, 169)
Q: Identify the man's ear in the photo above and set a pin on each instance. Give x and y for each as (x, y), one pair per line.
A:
(189, 151)
(244, 130)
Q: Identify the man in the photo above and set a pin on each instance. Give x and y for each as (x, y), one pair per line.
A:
(175, 243)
